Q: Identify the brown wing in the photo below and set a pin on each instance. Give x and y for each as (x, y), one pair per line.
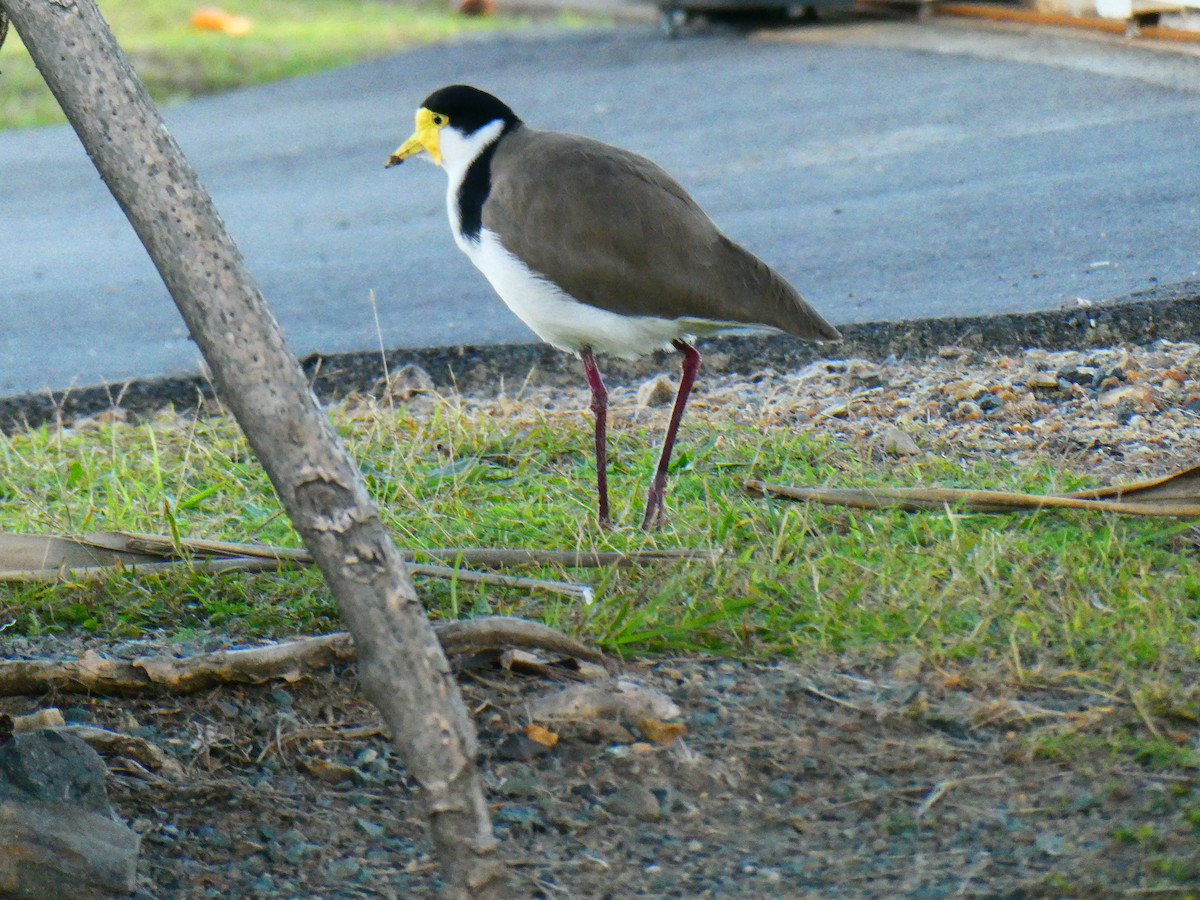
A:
(614, 230)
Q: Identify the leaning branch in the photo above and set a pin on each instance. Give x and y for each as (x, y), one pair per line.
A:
(401, 665)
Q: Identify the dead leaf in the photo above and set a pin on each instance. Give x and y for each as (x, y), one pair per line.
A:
(329, 772)
(661, 733)
(542, 735)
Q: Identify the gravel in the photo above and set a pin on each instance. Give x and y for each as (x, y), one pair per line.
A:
(792, 780)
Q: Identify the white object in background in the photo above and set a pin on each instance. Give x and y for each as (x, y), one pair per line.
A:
(1114, 9)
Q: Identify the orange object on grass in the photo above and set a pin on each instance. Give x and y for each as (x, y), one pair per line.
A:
(213, 18)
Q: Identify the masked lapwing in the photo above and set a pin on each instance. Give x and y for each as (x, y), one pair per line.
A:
(597, 250)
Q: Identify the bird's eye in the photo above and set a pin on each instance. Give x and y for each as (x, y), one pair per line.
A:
(439, 120)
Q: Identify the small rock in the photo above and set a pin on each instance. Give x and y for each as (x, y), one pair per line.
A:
(1141, 396)
(1125, 365)
(1050, 844)
(906, 666)
(837, 410)
(75, 715)
(1085, 376)
(208, 836)
(989, 402)
(703, 719)
(970, 390)
(518, 746)
(297, 853)
(522, 815)
(372, 829)
(377, 769)
(658, 391)
(229, 709)
(861, 373)
(781, 789)
(952, 351)
(342, 869)
(408, 382)
(967, 411)
(1042, 381)
(898, 443)
(519, 786)
(634, 800)
(603, 731)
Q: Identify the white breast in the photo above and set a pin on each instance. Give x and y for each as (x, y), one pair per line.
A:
(559, 319)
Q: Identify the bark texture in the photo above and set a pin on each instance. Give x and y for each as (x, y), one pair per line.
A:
(402, 667)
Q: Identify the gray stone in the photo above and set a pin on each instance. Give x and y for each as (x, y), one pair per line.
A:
(53, 767)
(61, 850)
(636, 801)
(658, 391)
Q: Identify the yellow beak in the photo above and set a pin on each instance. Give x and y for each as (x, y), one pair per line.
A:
(424, 140)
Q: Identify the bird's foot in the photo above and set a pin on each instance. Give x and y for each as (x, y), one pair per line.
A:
(656, 513)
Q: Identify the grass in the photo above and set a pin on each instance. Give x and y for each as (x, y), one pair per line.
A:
(289, 38)
(1091, 594)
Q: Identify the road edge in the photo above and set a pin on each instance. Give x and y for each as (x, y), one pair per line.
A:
(1170, 312)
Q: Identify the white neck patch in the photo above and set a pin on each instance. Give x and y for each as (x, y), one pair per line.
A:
(460, 150)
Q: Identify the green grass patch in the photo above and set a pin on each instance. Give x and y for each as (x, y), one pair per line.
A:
(288, 38)
(1092, 594)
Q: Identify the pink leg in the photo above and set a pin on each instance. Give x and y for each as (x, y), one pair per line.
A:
(600, 409)
(655, 513)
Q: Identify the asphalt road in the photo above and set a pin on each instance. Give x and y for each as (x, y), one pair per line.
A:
(891, 172)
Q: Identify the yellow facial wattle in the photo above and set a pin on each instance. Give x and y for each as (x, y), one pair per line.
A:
(426, 138)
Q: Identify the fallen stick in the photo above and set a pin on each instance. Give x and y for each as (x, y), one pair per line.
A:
(113, 743)
(288, 661)
(485, 557)
(51, 559)
(1177, 494)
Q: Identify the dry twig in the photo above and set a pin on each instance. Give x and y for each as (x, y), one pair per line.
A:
(817, 692)
(288, 660)
(942, 787)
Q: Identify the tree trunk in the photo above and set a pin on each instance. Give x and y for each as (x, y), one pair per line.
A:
(401, 665)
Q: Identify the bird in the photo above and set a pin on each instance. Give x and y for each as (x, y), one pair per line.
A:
(598, 250)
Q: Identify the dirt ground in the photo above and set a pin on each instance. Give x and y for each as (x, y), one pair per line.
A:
(824, 780)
